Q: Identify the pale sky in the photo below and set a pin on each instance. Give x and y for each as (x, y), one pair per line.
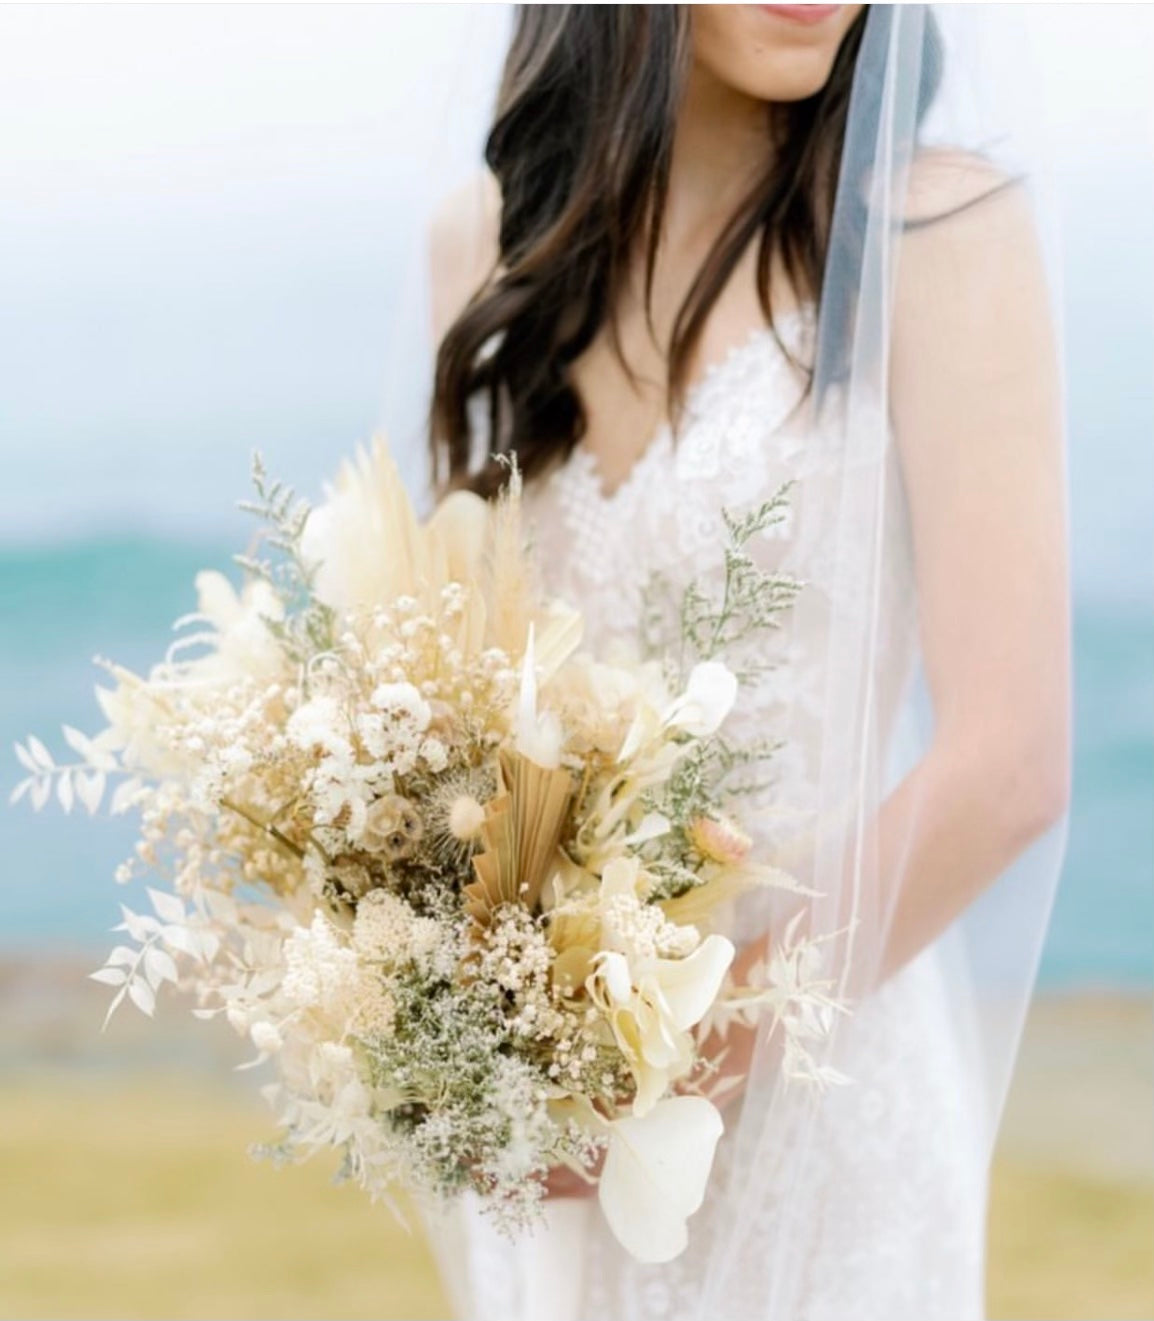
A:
(202, 210)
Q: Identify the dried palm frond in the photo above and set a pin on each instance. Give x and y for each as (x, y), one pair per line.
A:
(522, 830)
(457, 531)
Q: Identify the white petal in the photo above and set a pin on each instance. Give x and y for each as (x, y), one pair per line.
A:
(643, 727)
(656, 1169)
(538, 735)
(651, 826)
(651, 1084)
(613, 971)
(663, 1045)
(707, 700)
(619, 877)
(690, 985)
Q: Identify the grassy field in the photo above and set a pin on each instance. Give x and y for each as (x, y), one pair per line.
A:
(126, 1199)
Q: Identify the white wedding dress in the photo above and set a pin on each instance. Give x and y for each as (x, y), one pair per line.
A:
(892, 1227)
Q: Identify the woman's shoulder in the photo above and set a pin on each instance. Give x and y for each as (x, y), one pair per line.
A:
(946, 181)
(463, 246)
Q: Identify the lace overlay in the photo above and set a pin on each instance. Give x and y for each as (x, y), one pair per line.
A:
(889, 1225)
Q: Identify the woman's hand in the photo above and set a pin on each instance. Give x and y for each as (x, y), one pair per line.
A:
(730, 1052)
(561, 1181)
(729, 1056)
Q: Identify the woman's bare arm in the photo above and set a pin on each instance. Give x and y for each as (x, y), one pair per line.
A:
(977, 409)
(976, 405)
(462, 248)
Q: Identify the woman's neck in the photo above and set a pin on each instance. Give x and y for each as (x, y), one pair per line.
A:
(720, 147)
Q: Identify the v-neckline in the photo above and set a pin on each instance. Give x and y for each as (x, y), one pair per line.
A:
(661, 438)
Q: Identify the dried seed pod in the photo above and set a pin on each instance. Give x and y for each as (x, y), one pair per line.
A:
(353, 877)
(393, 828)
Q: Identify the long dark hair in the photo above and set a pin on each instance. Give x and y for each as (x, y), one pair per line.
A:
(580, 147)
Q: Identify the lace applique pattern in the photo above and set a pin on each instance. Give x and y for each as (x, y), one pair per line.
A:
(893, 1219)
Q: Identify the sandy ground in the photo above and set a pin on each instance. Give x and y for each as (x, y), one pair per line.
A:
(127, 1192)
(1072, 1206)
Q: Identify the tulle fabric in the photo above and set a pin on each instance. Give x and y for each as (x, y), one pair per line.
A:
(790, 1230)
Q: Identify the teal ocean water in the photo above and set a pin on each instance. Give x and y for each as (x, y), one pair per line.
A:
(65, 603)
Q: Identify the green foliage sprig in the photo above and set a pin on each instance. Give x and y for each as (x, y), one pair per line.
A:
(307, 626)
(712, 625)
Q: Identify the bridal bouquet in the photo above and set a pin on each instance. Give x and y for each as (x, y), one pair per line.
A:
(458, 879)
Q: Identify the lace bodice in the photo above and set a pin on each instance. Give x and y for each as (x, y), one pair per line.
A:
(743, 435)
(891, 1226)
(599, 549)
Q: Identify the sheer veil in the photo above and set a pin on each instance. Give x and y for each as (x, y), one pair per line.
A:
(942, 188)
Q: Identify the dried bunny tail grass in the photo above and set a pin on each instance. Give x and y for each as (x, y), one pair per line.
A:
(513, 590)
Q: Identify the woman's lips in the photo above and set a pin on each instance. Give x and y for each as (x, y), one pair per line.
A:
(807, 14)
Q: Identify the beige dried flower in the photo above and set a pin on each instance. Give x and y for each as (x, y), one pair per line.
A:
(393, 828)
(353, 877)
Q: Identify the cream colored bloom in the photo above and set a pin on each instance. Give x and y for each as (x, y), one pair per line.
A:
(698, 711)
(650, 751)
(650, 1003)
(367, 547)
(134, 712)
(244, 645)
(600, 699)
(240, 647)
(707, 700)
(655, 1173)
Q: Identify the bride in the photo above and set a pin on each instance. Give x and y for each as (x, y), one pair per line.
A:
(718, 248)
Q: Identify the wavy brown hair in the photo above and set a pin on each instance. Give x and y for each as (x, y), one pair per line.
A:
(580, 147)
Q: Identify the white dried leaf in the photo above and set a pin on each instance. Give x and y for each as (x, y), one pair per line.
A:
(25, 758)
(40, 793)
(80, 743)
(140, 993)
(64, 791)
(263, 983)
(182, 940)
(124, 796)
(40, 754)
(109, 976)
(21, 789)
(169, 907)
(159, 966)
(112, 1008)
(138, 925)
(90, 789)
